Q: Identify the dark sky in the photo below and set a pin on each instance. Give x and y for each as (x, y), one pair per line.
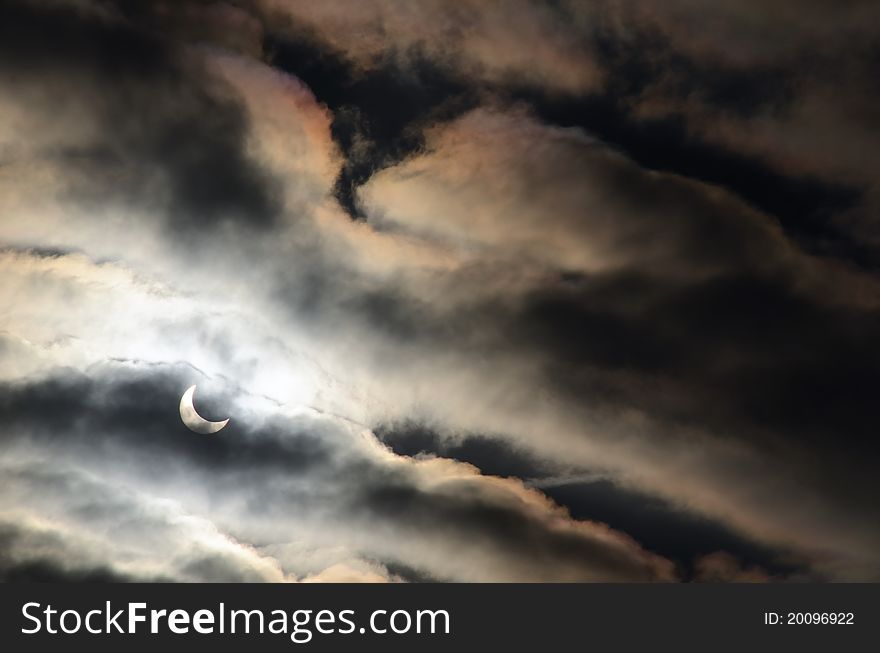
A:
(570, 291)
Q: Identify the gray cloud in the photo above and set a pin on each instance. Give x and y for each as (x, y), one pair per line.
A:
(283, 477)
(144, 121)
(610, 246)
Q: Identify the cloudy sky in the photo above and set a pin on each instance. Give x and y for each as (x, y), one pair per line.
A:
(490, 291)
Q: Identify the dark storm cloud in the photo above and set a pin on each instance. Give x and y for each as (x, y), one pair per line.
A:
(735, 110)
(712, 299)
(748, 352)
(412, 510)
(674, 533)
(734, 341)
(168, 135)
(660, 526)
(805, 205)
(651, 85)
(790, 360)
(491, 455)
(659, 296)
(748, 357)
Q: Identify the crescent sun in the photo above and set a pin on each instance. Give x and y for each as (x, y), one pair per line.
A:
(193, 421)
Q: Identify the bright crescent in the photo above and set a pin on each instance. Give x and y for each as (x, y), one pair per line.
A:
(193, 421)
